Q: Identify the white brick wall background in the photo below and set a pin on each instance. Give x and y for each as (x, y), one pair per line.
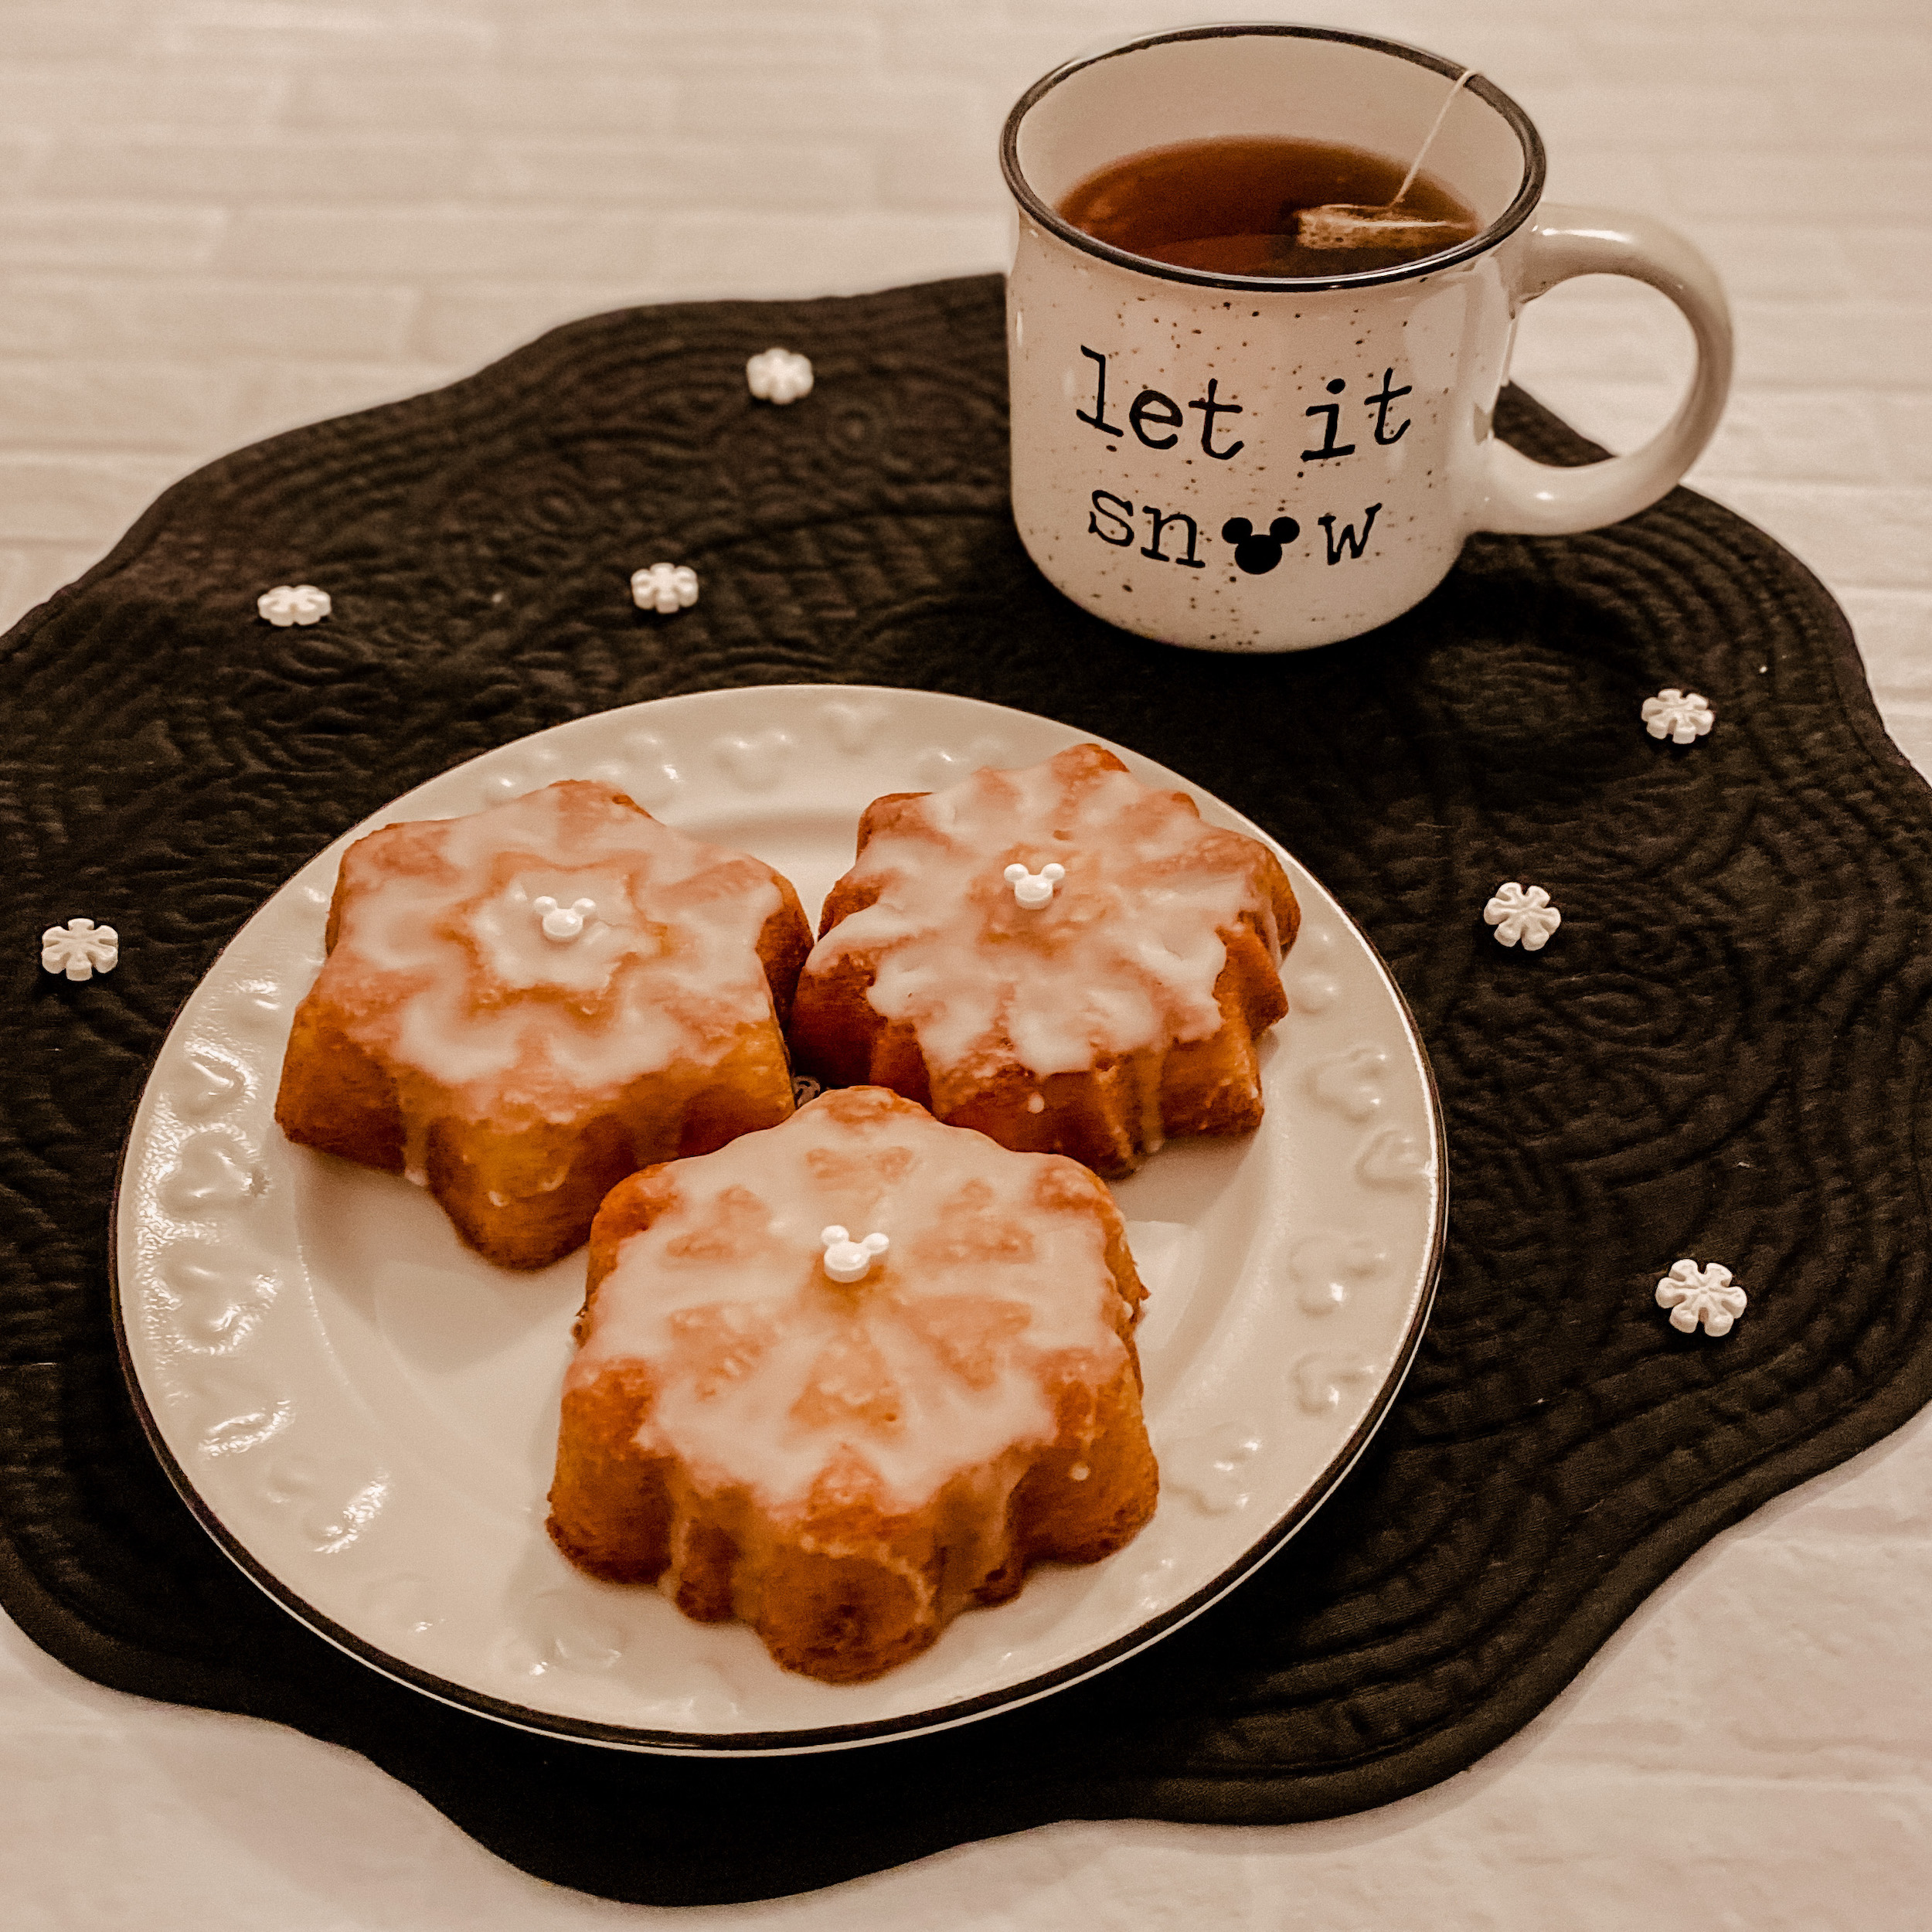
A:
(219, 219)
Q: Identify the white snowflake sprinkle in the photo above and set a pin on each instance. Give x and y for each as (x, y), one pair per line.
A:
(664, 588)
(1681, 716)
(293, 603)
(80, 949)
(1694, 1294)
(779, 376)
(1522, 917)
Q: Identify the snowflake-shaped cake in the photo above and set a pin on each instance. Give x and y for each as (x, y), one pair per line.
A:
(779, 376)
(293, 603)
(80, 949)
(1694, 1294)
(664, 588)
(1522, 917)
(1681, 716)
(1004, 949)
(826, 1419)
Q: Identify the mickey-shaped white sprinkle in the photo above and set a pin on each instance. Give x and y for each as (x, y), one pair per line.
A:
(1034, 889)
(664, 588)
(562, 923)
(293, 603)
(1681, 716)
(1517, 915)
(80, 949)
(849, 1261)
(779, 376)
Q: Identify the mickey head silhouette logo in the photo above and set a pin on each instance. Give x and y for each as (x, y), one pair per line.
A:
(1258, 555)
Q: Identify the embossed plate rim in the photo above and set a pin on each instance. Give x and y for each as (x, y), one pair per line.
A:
(957, 719)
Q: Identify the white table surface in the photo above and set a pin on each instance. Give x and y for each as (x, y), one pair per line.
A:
(218, 218)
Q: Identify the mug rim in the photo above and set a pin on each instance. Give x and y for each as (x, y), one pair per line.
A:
(1528, 195)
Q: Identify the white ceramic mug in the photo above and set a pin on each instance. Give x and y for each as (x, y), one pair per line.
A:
(1243, 462)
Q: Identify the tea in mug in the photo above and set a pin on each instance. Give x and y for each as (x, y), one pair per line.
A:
(1262, 204)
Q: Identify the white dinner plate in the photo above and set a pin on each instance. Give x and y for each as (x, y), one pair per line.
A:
(362, 1413)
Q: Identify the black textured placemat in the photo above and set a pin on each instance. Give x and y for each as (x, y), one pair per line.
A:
(1722, 1054)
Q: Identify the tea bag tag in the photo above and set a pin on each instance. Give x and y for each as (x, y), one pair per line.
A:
(1338, 225)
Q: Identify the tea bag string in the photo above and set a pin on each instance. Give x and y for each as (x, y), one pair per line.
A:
(1428, 140)
(1353, 224)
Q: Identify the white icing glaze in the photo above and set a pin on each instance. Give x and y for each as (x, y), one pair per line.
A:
(442, 953)
(1122, 957)
(765, 1370)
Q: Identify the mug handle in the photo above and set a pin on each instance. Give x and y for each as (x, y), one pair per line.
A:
(1538, 499)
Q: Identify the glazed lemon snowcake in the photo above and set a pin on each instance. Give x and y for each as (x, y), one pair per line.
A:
(1061, 956)
(520, 1007)
(842, 1379)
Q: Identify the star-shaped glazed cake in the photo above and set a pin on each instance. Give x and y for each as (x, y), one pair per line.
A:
(520, 1007)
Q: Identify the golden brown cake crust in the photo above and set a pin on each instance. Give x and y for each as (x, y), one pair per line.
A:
(519, 1078)
(1002, 1317)
(1122, 845)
